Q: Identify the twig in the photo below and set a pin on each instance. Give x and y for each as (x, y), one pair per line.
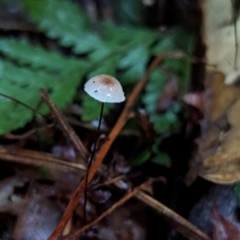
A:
(28, 133)
(21, 103)
(38, 159)
(66, 127)
(105, 148)
(186, 228)
(107, 212)
(109, 182)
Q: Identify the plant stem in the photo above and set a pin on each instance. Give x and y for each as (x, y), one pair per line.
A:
(90, 163)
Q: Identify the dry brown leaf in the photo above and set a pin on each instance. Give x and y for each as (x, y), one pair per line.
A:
(224, 174)
(219, 37)
(219, 146)
(222, 228)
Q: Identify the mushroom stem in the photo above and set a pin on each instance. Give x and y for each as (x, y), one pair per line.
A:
(90, 162)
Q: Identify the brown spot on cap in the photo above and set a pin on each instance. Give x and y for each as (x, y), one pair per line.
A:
(105, 88)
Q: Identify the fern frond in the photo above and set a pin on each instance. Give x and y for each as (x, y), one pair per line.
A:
(23, 85)
(162, 122)
(176, 39)
(37, 57)
(64, 21)
(121, 51)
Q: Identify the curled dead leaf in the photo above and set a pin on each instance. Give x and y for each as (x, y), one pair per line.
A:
(219, 144)
(222, 228)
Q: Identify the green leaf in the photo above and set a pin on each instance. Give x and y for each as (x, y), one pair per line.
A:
(154, 88)
(101, 53)
(91, 108)
(163, 45)
(133, 65)
(129, 12)
(161, 122)
(23, 85)
(37, 57)
(64, 21)
(121, 51)
(162, 159)
(134, 56)
(178, 67)
(108, 67)
(174, 39)
(132, 74)
(141, 158)
(44, 172)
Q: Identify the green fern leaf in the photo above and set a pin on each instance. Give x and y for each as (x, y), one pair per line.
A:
(36, 56)
(162, 159)
(141, 158)
(163, 45)
(175, 39)
(154, 88)
(133, 57)
(108, 68)
(120, 50)
(64, 21)
(129, 12)
(23, 85)
(162, 122)
(127, 37)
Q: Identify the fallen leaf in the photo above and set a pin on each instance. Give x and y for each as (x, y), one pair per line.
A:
(219, 144)
(219, 37)
(222, 228)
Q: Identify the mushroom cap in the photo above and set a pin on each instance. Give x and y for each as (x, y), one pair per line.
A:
(105, 88)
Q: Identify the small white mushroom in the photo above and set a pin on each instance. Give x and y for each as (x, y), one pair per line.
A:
(105, 88)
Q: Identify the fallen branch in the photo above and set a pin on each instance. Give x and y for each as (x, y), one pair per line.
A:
(39, 159)
(28, 133)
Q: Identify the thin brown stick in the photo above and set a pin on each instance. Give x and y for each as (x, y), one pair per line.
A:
(105, 148)
(38, 159)
(69, 132)
(110, 181)
(186, 228)
(107, 212)
(28, 133)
